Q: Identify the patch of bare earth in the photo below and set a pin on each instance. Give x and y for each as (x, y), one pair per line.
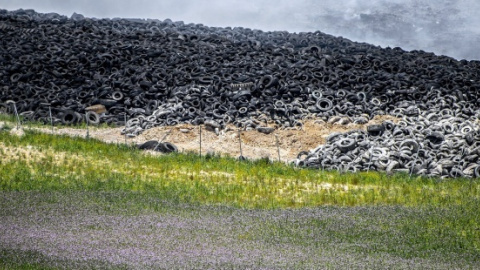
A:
(254, 144)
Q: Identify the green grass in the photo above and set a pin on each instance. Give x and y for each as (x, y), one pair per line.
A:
(7, 117)
(17, 259)
(39, 161)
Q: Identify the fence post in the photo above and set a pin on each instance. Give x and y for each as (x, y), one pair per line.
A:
(88, 131)
(125, 118)
(415, 161)
(278, 147)
(371, 154)
(323, 163)
(240, 142)
(18, 117)
(51, 118)
(200, 141)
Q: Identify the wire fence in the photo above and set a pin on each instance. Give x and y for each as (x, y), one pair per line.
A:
(23, 122)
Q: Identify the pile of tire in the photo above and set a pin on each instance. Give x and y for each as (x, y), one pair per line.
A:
(144, 73)
(434, 143)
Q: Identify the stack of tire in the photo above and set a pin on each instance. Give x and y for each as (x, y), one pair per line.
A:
(435, 143)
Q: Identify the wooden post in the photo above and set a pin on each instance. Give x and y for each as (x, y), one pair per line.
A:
(88, 131)
(415, 161)
(278, 147)
(51, 118)
(18, 117)
(125, 118)
(200, 141)
(371, 154)
(240, 142)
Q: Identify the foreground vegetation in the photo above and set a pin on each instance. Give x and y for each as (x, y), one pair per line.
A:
(369, 218)
(45, 162)
(130, 230)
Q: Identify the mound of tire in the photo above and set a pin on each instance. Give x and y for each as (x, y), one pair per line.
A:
(436, 144)
(145, 73)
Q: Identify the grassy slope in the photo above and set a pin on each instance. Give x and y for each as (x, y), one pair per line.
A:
(372, 218)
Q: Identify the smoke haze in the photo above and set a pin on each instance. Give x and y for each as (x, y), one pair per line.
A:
(448, 27)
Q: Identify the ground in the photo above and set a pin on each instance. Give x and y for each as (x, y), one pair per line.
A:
(254, 144)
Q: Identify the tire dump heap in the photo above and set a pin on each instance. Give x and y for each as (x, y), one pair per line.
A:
(158, 73)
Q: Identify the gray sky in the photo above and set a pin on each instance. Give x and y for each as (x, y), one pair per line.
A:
(447, 27)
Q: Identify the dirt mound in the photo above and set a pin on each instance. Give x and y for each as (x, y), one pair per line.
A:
(254, 144)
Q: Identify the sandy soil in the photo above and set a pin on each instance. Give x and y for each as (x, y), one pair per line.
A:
(254, 144)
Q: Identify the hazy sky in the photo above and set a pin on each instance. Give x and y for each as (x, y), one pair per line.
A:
(447, 27)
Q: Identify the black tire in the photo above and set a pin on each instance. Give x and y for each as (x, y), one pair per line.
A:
(106, 102)
(393, 164)
(242, 158)
(152, 105)
(412, 145)
(265, 130)
(346, 144)
(242, 93)
(316, 94)
(69, 117)
(476, 172)
(324, 104)
(456, 172)
(389, 125)
(149, 145)
(212, 123)
(300, 163)
(303, 153)
(92, 118)
(268, 81)
(117, 95)
(27, 115)
(435, 137)
(243, 110)
(375, 130)
(333, 137)
(167, 147)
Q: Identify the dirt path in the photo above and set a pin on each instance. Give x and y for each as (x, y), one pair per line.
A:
(254, 144)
